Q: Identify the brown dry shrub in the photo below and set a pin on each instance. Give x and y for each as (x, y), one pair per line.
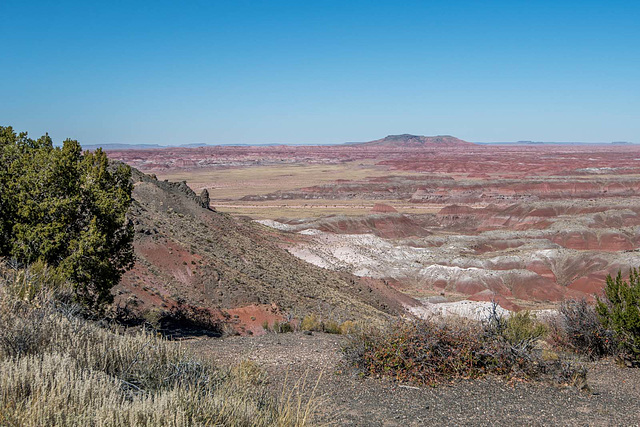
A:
(577, 328)
(331, 327)
(430, 351)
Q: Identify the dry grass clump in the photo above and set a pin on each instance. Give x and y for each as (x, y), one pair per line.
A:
(51, 389)
(60, 369)
(431, 351)
(311, 322)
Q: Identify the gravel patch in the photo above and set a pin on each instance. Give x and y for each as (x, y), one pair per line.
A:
(347, 399)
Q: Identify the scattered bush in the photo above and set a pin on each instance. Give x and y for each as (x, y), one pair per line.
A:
(282, 327)
(310, 323)
(619, 310)
(522, 328)
(278, 327)
(349, 327)
(428, 352)
(331, 327)
(577, 328)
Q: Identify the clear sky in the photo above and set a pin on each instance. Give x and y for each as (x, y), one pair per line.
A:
(323, 71)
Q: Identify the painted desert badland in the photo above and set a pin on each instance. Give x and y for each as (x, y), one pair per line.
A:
(202, 222)
(438, 219)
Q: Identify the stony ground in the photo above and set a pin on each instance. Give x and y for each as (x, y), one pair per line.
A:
(346, 399)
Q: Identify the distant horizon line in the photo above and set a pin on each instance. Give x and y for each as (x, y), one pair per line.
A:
(126, 145)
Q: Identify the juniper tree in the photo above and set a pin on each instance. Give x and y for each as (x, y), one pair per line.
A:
(67, 209)
(619, 310)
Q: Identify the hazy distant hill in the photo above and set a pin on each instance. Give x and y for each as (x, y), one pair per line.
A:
(414, 141)
(555, 143)
(117, 146)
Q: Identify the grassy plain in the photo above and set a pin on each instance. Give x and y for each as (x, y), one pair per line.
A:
(235, 182)
(227, 186)
(314, 208)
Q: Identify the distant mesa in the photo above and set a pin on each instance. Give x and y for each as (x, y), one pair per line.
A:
(193, 145)
(415, 141)
(530, 142)
(119, 147)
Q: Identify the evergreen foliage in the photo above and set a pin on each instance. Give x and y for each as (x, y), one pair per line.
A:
(67, 209)
(619, 310)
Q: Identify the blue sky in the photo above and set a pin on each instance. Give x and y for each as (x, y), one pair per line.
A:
(171, 72)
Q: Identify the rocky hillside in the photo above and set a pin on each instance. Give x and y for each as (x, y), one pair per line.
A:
(187, 253)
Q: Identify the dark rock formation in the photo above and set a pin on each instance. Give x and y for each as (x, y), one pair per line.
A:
(204, 198)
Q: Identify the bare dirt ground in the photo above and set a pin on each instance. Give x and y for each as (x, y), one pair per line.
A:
(344, 398)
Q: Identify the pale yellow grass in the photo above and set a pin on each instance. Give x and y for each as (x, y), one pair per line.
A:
(234, 183)
(317, 208)
(59, 369)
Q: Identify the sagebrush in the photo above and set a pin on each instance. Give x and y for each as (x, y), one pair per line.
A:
(60, 369)
(577, 328)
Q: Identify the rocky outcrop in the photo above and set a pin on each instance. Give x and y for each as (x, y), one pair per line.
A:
(187, 254)
(204, 199)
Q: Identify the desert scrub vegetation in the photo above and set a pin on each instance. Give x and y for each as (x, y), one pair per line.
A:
(67, 209)
(60, 369)
(619, 311)
(577, 328)
(610, 328)
(311, 322)
(428, 352)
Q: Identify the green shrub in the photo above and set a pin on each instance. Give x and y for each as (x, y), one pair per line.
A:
(311, 323)
(278, 327)
(619, 310)
(66, 209)
(331, 327)
(522, 328)
(285, 328)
